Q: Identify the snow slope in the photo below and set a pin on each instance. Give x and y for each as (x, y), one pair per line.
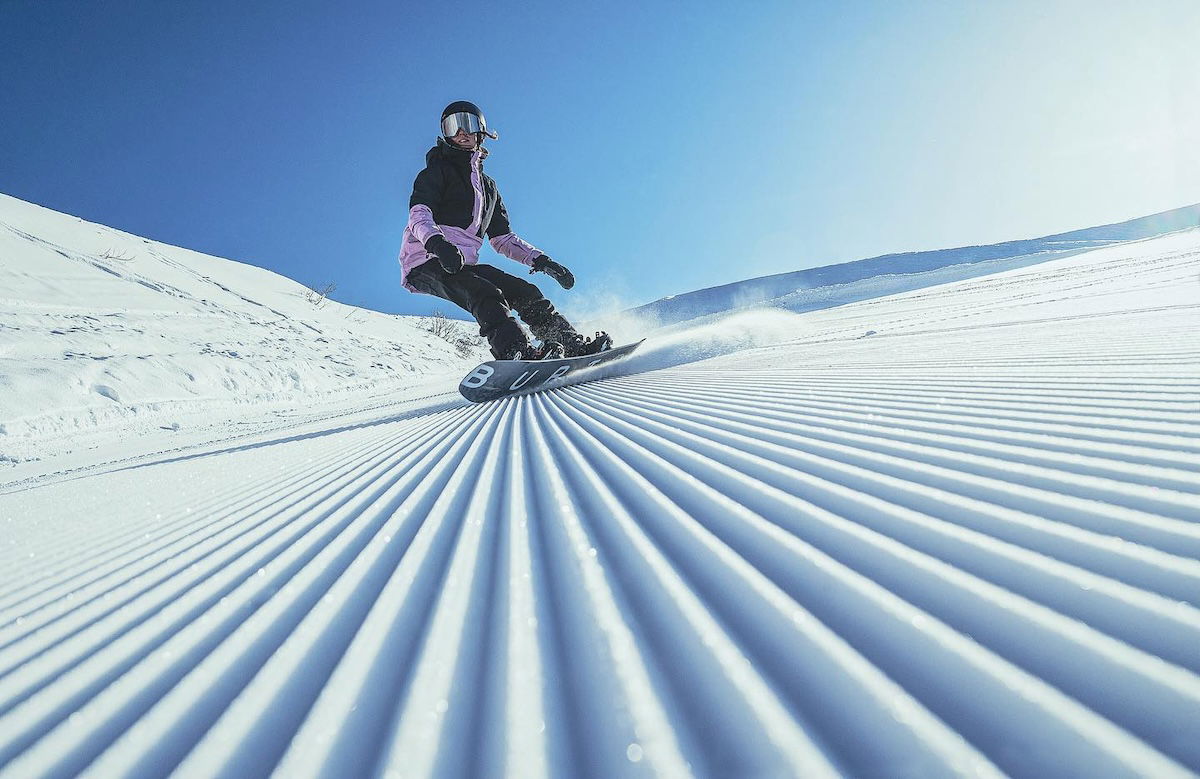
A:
(814, 288)
(103, 333)
(954, 531)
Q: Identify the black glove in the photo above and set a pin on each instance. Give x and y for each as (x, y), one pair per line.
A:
(448, 255)
(552, 269)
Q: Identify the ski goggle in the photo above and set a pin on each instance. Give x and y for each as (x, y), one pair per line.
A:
(472, 123)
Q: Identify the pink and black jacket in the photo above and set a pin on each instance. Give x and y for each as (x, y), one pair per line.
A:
(454, 197)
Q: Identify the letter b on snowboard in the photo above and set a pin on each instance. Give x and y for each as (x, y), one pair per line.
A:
(479, 376)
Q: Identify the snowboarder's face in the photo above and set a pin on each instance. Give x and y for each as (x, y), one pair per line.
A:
(465, 140)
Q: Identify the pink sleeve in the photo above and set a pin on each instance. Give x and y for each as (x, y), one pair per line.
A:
(420, 221)
(514, 248)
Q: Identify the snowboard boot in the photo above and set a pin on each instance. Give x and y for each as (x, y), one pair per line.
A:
(552, 350)
(577, 346)
(549, 350)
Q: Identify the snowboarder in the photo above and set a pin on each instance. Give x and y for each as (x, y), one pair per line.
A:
(453, 205)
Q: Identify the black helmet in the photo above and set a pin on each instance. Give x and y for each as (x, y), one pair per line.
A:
(464, 115)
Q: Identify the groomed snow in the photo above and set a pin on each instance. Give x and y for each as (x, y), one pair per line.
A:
(953, 531)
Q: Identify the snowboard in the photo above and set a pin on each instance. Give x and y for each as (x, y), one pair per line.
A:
(501, 378)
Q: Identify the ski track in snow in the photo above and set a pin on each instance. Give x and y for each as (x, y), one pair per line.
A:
(952, 532)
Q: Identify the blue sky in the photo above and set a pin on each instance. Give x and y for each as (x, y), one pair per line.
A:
(652, 147)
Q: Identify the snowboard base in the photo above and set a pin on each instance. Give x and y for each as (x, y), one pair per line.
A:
(501, 378)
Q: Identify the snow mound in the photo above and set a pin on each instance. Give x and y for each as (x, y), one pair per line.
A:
(104, 331)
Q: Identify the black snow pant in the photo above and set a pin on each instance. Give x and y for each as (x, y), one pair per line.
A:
(488, 294)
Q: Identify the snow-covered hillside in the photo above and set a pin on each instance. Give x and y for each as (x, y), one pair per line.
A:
(103, 333)
(953, 531)
(814, 288)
